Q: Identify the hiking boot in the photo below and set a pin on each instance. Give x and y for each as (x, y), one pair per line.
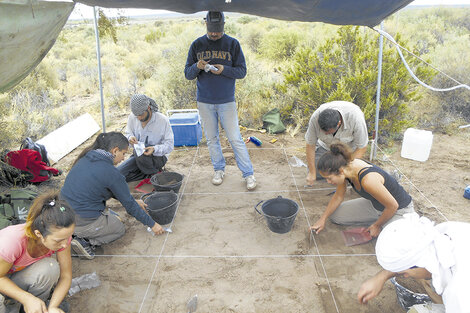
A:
(83, 248)
(250, 182)
(218, 177)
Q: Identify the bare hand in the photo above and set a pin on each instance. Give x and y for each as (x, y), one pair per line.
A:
(132, 140)
(220, 69)
(201, 64)
(374, 230)
(142, 204)
(149, 150)
(157, 229)
(311, 178)
(370, 289)
(55, 310)
(318, 226)
(34, 305)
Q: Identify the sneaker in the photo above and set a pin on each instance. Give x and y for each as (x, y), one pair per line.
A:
(83, 248)
(218, 177)
(250, 182)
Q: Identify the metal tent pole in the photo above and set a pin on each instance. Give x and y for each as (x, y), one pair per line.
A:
(98, 56)
(377, 106)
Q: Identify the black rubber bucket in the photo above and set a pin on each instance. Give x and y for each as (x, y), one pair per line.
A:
(408, 298)
(279, 213)
(161, 206)
(167, 181)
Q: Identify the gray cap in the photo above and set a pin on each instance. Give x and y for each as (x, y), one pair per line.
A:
(215, 22)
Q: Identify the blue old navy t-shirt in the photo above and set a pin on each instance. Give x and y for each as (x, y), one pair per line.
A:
(212, 88)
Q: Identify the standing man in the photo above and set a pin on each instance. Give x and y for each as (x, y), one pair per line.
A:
(217, 60)
(332, 122)
(146, 125)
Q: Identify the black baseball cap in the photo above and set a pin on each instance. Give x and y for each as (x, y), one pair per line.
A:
(215, 22)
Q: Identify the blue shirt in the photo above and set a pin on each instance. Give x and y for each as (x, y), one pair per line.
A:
(93, 180)
(211, 88)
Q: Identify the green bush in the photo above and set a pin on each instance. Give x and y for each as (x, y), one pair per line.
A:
(154, 36)
(245, 19)
(345, 68)
(279, 44)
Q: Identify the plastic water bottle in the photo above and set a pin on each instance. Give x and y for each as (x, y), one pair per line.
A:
(210, 67)
(84, 282)
(255, 140)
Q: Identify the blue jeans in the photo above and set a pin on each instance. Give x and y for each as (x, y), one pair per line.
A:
(228, 116)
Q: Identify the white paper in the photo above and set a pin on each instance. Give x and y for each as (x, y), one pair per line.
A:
(139, 148)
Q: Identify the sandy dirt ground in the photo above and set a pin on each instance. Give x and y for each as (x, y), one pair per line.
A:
(223, 251)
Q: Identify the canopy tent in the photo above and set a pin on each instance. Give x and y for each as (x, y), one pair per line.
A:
(29, 28)
(339, 12)
(27, 32)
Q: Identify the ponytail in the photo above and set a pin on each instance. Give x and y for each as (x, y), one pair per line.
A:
(106, 142)
(48, 211)
(338, 156)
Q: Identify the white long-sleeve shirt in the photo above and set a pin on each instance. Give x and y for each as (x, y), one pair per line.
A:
(156, 133)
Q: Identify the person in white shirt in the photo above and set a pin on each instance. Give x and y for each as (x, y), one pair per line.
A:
(333, 122)
(147, 126)
(415, 247)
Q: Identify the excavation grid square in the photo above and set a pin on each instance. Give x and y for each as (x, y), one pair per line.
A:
(222, 249)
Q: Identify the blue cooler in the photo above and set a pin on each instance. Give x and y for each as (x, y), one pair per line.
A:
(186, 126)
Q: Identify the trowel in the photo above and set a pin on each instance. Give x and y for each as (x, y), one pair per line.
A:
(192, 304)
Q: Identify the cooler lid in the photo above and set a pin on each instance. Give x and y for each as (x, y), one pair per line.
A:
(184, 118)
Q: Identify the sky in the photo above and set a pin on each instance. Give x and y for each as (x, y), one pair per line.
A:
(83, 11)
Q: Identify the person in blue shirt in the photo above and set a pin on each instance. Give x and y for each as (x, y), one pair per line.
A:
(94, 179)
(217, 60)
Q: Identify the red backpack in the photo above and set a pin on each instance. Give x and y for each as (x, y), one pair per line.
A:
(31, 161)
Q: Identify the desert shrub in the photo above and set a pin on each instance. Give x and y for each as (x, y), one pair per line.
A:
(246, 19)
(345, 68)
(154, 36)
(252, 38)
(231, 29)
(255, 93)
(279, 44)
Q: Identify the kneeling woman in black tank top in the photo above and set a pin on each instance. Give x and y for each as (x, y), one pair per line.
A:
(382, 198)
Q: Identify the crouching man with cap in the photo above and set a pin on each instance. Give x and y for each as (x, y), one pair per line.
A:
(147, 126)
(415, 247)
(217, 60)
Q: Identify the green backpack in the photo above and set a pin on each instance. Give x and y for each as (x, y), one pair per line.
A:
(272, 122)
(14, 206)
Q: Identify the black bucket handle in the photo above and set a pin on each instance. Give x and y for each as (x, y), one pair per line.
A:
(256, 207)
(151, 193)
(182, 176)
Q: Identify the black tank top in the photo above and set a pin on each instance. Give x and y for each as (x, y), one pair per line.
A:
(395, 189)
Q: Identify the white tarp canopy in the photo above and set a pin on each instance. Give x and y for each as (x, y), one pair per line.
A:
(28, 30)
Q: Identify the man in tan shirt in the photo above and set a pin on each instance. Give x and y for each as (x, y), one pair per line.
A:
(332, 122)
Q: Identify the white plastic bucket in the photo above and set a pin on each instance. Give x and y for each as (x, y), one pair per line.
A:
(416, 144)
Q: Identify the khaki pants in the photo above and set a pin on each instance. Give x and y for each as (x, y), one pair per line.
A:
(104, 229)
(361, 212)
(37, 279)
